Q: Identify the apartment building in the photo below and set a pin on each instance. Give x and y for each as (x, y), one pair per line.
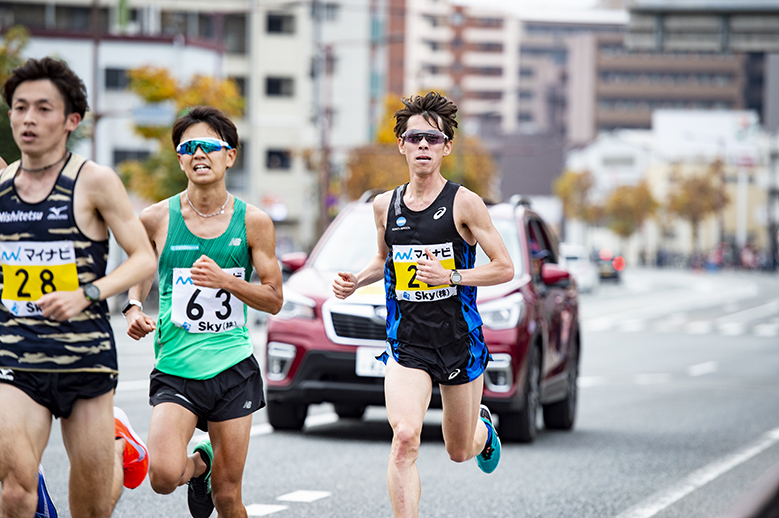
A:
(309, 72)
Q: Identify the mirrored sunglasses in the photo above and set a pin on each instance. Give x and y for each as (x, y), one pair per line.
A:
(208, 145)
(433, 138)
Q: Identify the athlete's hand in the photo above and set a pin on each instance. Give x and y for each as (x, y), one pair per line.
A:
(206, 273)
(430, 271)
(62, 305)
(344, 284)
(139, 324)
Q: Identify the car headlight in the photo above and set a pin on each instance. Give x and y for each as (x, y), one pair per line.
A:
(503, 313)
(296, 306)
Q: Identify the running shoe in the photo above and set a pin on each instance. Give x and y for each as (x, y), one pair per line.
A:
(490, 456)
(136, 456)
(46, 507)
(199, 490)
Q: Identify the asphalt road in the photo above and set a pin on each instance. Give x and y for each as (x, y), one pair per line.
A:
(678, 417)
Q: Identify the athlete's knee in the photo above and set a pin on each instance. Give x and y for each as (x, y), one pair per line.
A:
(163, 479)
(405, 441)
(226, 497)
(17, 500)
(458, 453)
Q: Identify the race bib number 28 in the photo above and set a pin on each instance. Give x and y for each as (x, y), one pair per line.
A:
(407, 286)
(32, 269)
(197, 309)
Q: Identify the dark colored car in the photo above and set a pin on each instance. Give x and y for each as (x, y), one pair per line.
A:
(610, 265)
(322, 349)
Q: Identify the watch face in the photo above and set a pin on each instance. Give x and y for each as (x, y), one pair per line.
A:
(456, 277)
(91, 292)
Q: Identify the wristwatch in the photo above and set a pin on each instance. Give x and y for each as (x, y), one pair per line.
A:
(131, 303)
(91, 292)
(455, 278)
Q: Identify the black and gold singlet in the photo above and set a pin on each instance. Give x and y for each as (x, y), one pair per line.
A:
(43, 250)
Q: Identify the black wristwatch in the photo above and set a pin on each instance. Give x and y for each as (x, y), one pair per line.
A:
(455, 278)
(91, 292)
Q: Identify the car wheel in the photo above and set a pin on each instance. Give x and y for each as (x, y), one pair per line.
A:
(347, 411)
(561, 415)
(287, 416)
(522, 426)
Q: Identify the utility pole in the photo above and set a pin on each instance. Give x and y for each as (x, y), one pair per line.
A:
(95, 74)
(322, 111)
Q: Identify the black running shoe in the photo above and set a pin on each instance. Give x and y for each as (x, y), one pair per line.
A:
(199, 491)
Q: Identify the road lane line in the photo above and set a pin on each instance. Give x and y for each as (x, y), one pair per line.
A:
(702, 368)
(303, 495)
(697, 479)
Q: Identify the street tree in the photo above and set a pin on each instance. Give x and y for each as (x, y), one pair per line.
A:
(696, 197)
(159, 176)
(627, 207)
(574, 190)
(11, 47)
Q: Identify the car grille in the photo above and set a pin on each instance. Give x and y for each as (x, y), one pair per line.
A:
(353, 326)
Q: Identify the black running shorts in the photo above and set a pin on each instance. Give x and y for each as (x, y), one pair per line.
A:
(58, 391)
(233, 393)
(453, 364)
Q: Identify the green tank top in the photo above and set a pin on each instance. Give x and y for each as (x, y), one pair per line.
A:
(201, 331)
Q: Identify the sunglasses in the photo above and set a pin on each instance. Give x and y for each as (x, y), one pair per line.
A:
(432, 137)
(208, 145)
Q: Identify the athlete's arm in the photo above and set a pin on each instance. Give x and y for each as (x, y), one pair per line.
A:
(475, 225)
(101, 204)
(261, 239)
(346, 283)
(155, 221)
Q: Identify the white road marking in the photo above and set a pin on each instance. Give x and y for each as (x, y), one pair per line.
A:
(767, 329)
(129, 385)
(263, 510)
(702, 368)
(590, 381)
(303, 495)
(655, 378)
(266, 428)
(698, 327)
(664, 499)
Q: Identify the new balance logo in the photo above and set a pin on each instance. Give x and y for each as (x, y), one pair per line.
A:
(6, 374)
(248, 404)
(236, 241)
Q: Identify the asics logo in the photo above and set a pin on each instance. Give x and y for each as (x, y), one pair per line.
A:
(454, 374)
(440, 212)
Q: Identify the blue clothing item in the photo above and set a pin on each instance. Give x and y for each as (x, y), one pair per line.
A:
(46, 507)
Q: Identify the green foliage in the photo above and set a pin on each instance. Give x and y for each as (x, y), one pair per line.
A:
(697, 197)
(11, 47)
(628, 207)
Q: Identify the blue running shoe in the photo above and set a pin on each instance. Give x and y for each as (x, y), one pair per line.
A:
(490, 456)
(45, 508)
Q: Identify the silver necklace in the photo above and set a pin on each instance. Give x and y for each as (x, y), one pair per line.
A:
(220, 211)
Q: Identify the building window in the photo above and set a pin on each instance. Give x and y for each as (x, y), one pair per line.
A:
(525, 117)
(280, 24)
(485, 95)
(235, 34)
(526, 94)
(329, 10)
(526, 73)
(116, 79)
(485, 71)
(278, 159)
(279, 86)
(486, 47)
(123, 155)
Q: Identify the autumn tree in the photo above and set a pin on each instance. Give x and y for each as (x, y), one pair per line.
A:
(11, 47)
(381, 166)
(159, 176)
(627, 207)
(574, 190)
(697, 197)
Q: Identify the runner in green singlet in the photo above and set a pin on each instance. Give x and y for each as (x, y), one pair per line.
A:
(205, 376)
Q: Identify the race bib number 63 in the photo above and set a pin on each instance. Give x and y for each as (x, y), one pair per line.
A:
(197, 309)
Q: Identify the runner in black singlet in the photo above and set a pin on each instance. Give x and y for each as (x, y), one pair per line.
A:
(427, 235)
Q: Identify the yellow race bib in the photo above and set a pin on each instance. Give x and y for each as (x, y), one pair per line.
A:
(407, 286)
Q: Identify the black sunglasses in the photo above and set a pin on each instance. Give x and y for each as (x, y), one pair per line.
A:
(432, 137)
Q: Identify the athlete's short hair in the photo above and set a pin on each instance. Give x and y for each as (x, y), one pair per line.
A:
(434, 107)
(70, 86)
(214, 118)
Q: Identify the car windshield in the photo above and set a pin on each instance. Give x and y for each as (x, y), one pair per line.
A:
(508, 232)
(353, 243)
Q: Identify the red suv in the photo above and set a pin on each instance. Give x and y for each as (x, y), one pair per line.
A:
(322, 349)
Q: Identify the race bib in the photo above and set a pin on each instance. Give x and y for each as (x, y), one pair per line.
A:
(31, 269)
(205, 310)
(407, 286)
